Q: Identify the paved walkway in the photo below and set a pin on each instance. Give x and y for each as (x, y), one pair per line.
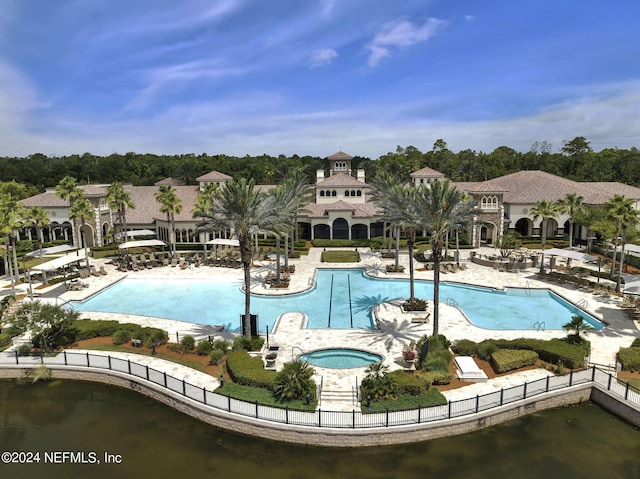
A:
(395, 329)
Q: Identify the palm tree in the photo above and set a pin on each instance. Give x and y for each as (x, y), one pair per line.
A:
(384, 185)
(119, 200)
(577, 325)
(39, 218)
(618, 208)
(573, 205)
(82, 210)
(240, 207)
(441, 208)
(68, 189)
(10, 214)
(629, 217)
(171, 205)
(544, 209)
(298, 192)
(294, 380)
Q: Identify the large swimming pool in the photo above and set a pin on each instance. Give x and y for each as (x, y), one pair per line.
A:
(340, 298)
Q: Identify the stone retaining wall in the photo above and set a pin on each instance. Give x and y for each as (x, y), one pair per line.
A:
(335, 437)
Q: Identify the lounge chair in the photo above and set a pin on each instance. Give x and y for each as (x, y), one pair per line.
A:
(421, 319)
(102, 271)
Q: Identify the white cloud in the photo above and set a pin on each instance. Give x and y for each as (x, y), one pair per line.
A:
(323, 57)
(469, 18)
(401, 34)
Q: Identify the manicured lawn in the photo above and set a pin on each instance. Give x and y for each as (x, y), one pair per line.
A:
(340, 256)
(432, 397)
(262, 396)
(145, 352)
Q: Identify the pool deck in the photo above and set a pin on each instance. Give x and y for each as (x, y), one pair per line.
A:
(395, 328)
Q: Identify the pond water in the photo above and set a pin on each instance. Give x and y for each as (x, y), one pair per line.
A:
(154, 441)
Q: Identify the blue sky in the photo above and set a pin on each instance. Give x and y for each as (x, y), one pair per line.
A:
(310, 77)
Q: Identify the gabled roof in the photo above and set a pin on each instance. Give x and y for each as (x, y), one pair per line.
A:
(427, 172)
(48, 199)
(528, 187)
(340, 155)
(147, 208)
(611, 188)
(169, 181)
(342, 179)
(214, 176)
(358, 210)
(489, 186)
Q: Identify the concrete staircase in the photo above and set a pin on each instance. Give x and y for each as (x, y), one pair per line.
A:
(338, 400)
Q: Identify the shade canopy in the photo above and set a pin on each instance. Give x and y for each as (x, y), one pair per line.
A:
(58, 263)
(567, 253)
(141, 244)
(63, 248)
(223, 241)
(134, 233)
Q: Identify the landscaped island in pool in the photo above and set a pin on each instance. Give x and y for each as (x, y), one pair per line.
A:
(340, 298)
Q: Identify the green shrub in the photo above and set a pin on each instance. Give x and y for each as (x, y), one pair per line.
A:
(121, 336)
(504, 360)
(24, 350)
(551, 351)
(294, 381)
(248, 370)
(629, 358)
(187, 343)
(89, 328)
(465, 347)
(415, 305)
(253, 344)
(410, 384)
(221, 344)
(203, 347)
(437, 378)
(435, 362)
(5, 340)
(215, 356)
(636, 343)
(486, 349)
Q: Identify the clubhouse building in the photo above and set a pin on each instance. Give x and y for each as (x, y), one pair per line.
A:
(342, 207)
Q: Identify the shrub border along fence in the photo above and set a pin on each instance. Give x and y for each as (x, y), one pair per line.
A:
(333, 424)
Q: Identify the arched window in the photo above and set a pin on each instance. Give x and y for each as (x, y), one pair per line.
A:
(359, 193)
(334, 193)
(489, 203)
(321, 192)
(346, 193)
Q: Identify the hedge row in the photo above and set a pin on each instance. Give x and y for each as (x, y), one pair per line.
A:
(410, 384)
(91, 328)
(248, 370)
(504, 360)
(629, 358)
(437, 378)
(552, 351)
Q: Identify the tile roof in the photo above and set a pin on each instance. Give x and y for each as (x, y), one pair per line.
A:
(169, 181)
(341, 179)
(340, 155)
(366, 210)
(214, 176)
(147, 208)
(46, 199)
(527, 187)
(427, 172)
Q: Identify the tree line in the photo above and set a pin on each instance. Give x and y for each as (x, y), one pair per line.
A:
(575, 160)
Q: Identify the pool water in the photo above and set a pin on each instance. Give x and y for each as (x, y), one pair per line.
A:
(340, 299)
(340, 358)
